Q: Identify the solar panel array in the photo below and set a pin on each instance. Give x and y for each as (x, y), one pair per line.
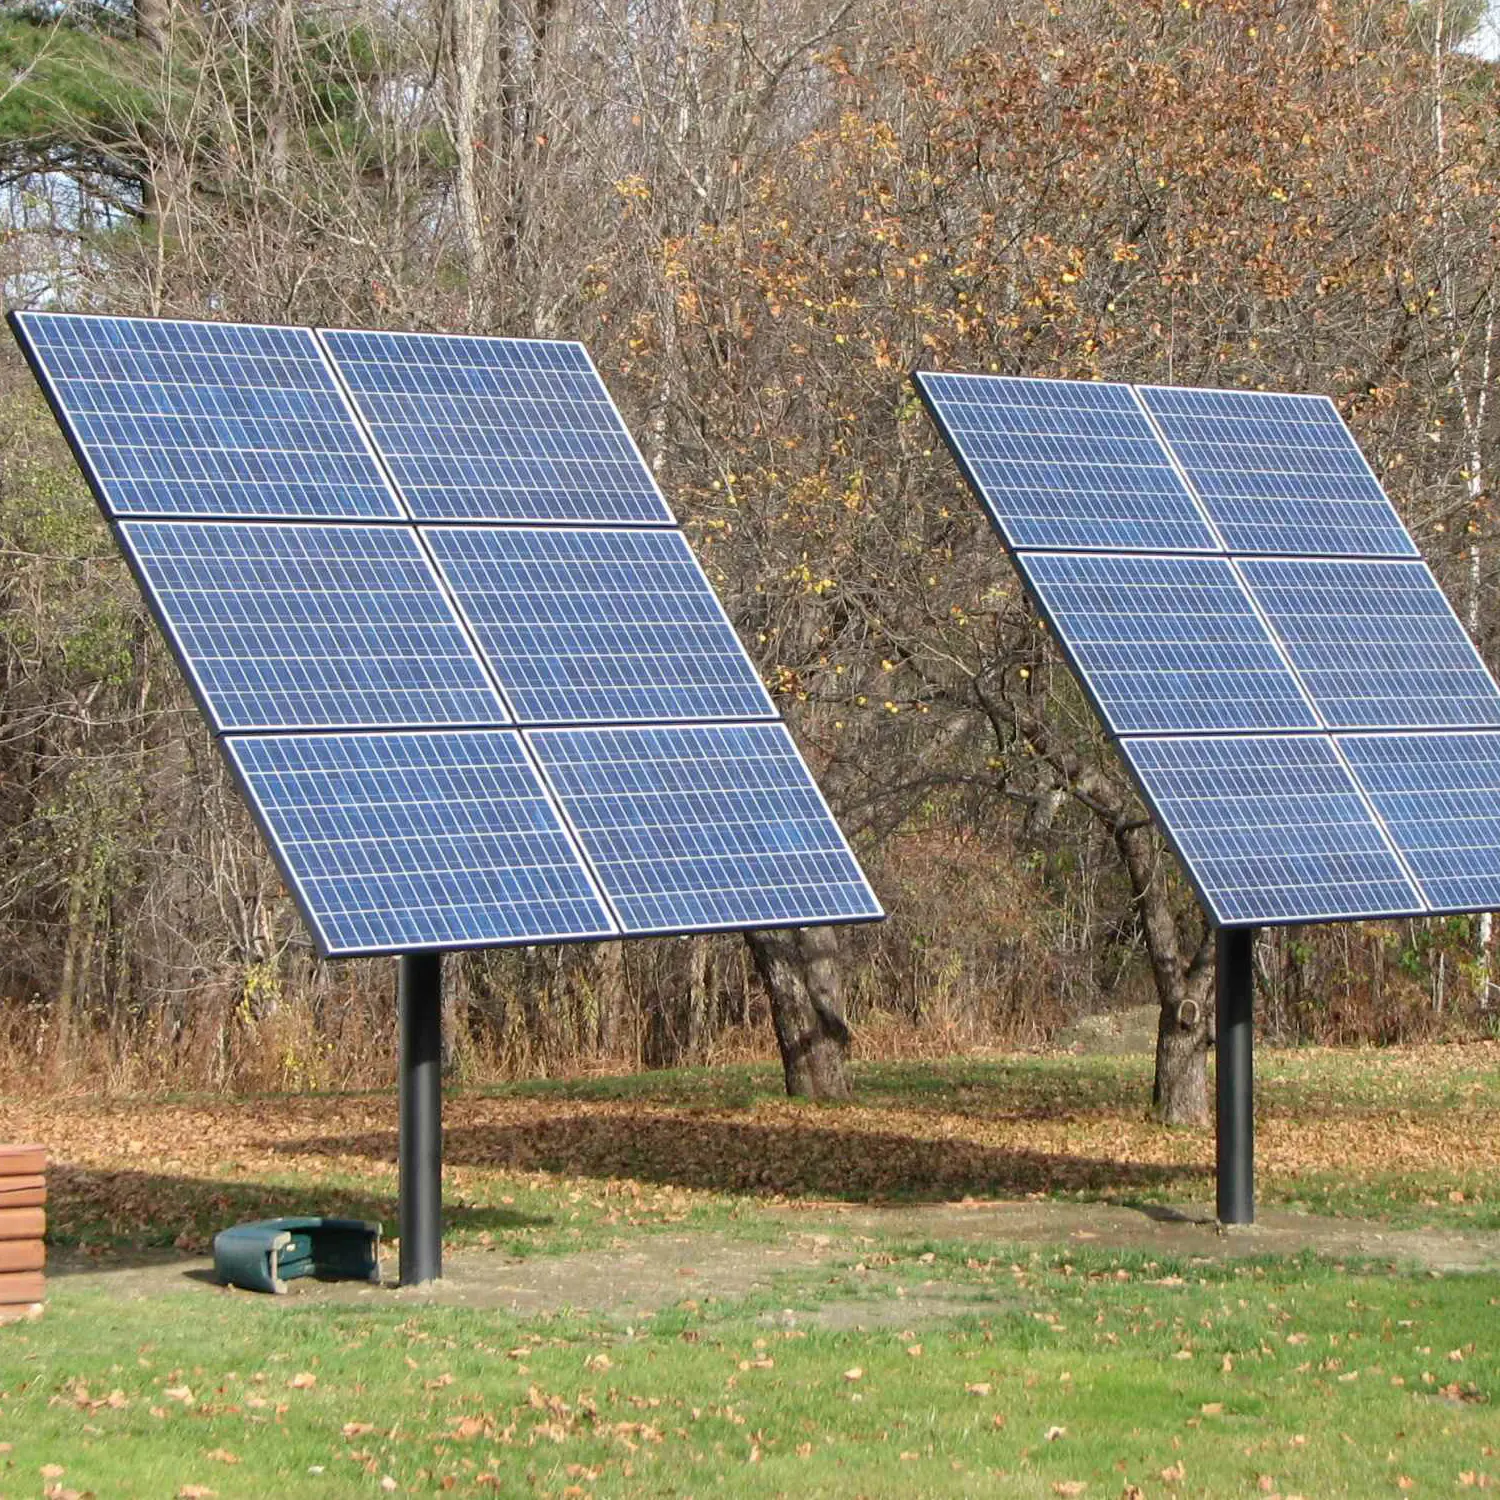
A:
(1307, 718)
(473, 682)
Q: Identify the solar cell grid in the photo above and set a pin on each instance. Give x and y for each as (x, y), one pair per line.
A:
(1062, 463)
(1439, 796)
(311, 626)
(402, 842)
(702, 827)
(1167, 643)
(1376, 643)
(206, 419)
(1278, 472)
(485, 429)
(599, 626)
(1271, 829)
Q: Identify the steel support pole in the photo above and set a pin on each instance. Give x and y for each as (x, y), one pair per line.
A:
(420, 1001)
(1235, 1081)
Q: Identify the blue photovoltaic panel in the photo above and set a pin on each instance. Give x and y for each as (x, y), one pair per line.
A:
(1278, 473)
(1376, 644)
(1167, 643)
(695, 827)
(1066, 463)
(484, 429)
(1271, 829)
(205, 419)
(311, 626)
(594, 626)
(401, 842)
(1439, 797)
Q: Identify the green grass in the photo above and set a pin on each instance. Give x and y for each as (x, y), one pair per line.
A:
(1328, 1381)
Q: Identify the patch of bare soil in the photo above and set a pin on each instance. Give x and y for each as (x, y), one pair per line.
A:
(666, 1269)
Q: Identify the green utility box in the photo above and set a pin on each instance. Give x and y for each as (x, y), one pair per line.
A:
(265, 1255)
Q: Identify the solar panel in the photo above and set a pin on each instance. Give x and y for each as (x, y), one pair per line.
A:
(311, 625)
(1166, 643)
(1278, 473)
(1376, 644)
(1271, 829)
(402, 842)
(204, 419)
(1066, 463)
(599, 626)
(694, 827)
(356, 665)
(1439, 797)
(486, 429)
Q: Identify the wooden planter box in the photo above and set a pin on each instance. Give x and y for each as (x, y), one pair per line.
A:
(23, 1222)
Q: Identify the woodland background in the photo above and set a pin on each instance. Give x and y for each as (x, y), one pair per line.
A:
(759, 214)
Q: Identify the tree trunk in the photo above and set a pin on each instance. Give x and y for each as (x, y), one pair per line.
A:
(1179, 1095)
(800, 969)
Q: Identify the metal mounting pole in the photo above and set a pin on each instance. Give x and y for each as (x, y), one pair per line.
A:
(1235, 1081)
(420, 1001)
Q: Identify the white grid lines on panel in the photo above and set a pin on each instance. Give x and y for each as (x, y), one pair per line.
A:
(598, 626)
(398, 842)
(1278, 472)
(1065, 463)
(1376, 644)
(207, 419)
(1167, 643)
(312, 626)
(486, 429)
(1271, 829)
(1439, 795)
(697, 827)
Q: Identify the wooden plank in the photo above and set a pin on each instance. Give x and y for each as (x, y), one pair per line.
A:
(22, 1161)
(24, 1223)
(23, 1192)
(21, 1286)
(22, 1255)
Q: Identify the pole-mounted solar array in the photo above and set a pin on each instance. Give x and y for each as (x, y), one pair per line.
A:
(1309, 722)
(472, 680)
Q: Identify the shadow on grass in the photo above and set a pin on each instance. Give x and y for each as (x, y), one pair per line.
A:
(801, 1159)
(1025, 1088)
(122, 1213)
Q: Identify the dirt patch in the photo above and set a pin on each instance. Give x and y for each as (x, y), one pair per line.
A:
(660, 1271)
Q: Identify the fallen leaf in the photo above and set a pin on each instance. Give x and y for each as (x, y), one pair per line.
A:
(854, 1372)
(304, 1381)
(1053, 1433)
(356, 1429)
(1212, 1408)
(1173, 1472)
(223, 1456)
(179, 1393)
(52, 1471)
(1070, 1486)
(387, 1483)
(978, 1388)
(196, 1492)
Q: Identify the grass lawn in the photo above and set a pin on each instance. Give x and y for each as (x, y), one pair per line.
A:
(897, 1365)
(1082, 1376)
